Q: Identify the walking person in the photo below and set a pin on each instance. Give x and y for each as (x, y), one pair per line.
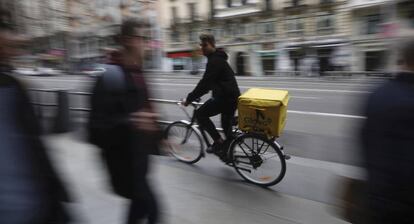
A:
(30, 189)
(123, 124)
(388, 146)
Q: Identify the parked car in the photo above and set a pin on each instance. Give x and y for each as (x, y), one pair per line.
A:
(93, 70)
(38, 71)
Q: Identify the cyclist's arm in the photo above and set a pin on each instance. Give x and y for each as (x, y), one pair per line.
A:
(206, 83)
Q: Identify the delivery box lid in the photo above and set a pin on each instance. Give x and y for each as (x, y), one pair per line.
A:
(267, 95)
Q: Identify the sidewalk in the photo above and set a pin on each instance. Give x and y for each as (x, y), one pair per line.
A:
(206, 193)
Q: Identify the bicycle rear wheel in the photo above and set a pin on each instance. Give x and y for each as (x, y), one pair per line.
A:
(258, 160)
(185, 142)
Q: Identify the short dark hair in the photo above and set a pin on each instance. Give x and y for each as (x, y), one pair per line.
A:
(129, 26)
(209, 38)
(407, 52)
(6, 23)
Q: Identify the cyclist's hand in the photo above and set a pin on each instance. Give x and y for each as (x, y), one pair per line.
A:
(184, 103)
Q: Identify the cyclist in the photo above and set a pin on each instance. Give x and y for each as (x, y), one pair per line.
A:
(220, 79)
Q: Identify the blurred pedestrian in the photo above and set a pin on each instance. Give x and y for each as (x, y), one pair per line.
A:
(388, 146)
(30, 191)
(123, 124)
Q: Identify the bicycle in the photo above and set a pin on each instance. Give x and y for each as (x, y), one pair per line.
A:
(246, 152)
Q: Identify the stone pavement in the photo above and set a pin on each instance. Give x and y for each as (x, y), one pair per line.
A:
(206, 193)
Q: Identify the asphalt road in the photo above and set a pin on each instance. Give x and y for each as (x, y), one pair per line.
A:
(323, 119)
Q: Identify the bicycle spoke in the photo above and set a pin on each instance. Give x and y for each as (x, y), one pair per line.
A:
(258, 150)
(246, 146)
(266, 148)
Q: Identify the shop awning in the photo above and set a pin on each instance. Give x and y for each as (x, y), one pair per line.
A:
(181, 54)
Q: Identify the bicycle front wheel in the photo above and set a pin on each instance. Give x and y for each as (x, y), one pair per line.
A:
(184, 141)
(258, 160)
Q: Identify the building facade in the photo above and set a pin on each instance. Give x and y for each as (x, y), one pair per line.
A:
(278, 36)
(72, 34)
(261, 36)
(378, 26)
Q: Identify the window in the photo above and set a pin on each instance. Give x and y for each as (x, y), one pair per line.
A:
(227, 29)
(174, 14)
(374, 60)
(192, 36)
(244, 2)
(294, 26)
(326, 2)
(372, 24)
(175, 36)
(244, 29)
(217, 32)
(251, 28)
(268, 27)
(192, 10)
(235, 29)
(212, 9)
(268, 5)
(229, 3)
(325, 24)
(411, 18)
(295, 2)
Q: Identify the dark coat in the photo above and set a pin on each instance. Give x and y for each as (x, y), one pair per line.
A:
(125, 150)
(218, 78)
(42, 172)
(388, 146)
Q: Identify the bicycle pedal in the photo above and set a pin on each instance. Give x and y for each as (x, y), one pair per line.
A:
(287, 157)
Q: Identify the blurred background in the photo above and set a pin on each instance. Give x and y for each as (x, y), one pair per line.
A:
(263, 37)
(329, 55)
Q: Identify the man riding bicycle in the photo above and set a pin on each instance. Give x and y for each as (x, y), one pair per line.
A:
(220, 79)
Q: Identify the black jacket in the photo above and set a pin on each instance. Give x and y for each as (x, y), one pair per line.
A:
(36, 156)
(388, 146)
(218, 78)
(125, 150)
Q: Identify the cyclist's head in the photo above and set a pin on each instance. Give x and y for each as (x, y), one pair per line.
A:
(207, 43)
(407, 55)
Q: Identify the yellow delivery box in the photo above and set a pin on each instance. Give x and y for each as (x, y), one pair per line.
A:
(263, 110)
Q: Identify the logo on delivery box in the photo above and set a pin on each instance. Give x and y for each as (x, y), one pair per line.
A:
(259, 120)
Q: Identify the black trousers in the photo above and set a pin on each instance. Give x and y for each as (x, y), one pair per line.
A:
(143, 207)
(128, 171)
(213, 107)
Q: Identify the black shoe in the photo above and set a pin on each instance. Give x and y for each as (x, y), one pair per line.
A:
(215, 148)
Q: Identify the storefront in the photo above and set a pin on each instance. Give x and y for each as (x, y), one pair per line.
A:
(269, 61)
(181, 60)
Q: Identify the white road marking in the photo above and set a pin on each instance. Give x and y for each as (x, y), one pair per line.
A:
(293, 97)
(292, 89)
(286, 83)
(305, 97)
(326, 114)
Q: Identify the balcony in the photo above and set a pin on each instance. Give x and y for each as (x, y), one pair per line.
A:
(327, 2)
(191, 19)
(237, 10)
(295, 4)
